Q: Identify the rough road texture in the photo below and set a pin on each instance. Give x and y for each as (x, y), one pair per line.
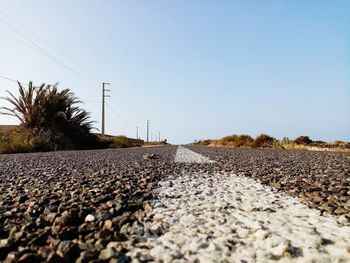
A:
(68, 206)
(184, 155)
(319, 179)
(227, 218)
(94, 206)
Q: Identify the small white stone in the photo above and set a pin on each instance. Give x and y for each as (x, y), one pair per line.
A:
(158, 217)
(242, 232)
(3, 242)
(89, 218)
(342, 220)
(156, 228)
(280, 249)
(261, 234)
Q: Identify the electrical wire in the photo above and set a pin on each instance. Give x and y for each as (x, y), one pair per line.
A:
(3, 77)
(95, 101)
(51, 45)
(13, 80)
(120, 116)
(32, 44)
(39, 49)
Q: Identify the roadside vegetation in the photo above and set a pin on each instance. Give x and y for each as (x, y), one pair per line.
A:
(156, 143)
(120, 141)
(50, 120)
(266, 141)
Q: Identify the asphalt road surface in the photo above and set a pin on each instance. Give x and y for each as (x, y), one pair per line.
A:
(175, 204)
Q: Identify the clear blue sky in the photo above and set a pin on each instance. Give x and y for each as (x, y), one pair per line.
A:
(196, 69)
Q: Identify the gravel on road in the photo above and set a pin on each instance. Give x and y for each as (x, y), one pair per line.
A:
(319, 179)
(72, 206)
(99, 206)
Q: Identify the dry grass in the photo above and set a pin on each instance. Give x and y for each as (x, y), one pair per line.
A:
(21, 141)
(122, 141)
(13, 141)
(155, 143)
(119, 141)
(266, 141)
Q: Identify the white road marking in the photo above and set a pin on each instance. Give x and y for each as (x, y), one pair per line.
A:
(228, 218)
(184, 155)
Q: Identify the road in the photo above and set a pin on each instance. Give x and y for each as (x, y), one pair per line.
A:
(175, 204)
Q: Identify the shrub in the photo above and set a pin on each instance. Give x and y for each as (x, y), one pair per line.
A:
(286, 140)
(319, 143)
(154, 143)
(230, 138)
(51, 119)
(303, 140)
(204, 142)
(264, 141)
(15, 142)
(244, 140)
(237, 141)
(121, 142)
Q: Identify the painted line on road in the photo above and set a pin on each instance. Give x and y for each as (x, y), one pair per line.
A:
(184, 155)
(229, 218)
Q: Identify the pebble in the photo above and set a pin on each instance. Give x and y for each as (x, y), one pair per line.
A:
(107, 253)
(108, 224)
(89, 218)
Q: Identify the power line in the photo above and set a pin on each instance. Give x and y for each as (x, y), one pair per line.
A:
(96, 101)
(32, 44)
(50, 45)
(13, 80)
(16, 81)
(36, 47)
(39, 49)
(120, 116)
(3, 77)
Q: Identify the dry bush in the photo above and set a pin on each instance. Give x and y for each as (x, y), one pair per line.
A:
(121, 142)
(155, 143)
(303, 140)
(18, 142)
(237, 141)
(203, 142)
(264, 141)
(49, 120)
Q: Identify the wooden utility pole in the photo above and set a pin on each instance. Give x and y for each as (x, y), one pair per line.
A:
(147, 130)
(103, 105)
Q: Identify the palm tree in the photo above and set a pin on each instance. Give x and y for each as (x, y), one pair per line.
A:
(46, 110)
(62, 108)
(28, 107)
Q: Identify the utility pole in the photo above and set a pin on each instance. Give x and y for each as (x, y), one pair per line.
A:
(103, 105)
(159, 136)
(147, 130)
(137, 132)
